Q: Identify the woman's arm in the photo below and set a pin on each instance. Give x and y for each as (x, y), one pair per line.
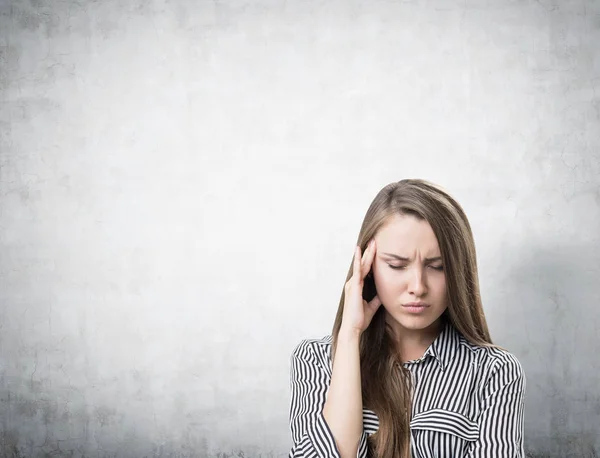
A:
(343, 409)
(328, 419)
(501, 422)
(311, 434)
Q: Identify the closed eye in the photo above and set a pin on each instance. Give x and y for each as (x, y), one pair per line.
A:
(439, 268)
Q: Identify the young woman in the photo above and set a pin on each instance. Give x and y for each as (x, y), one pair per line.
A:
(410, 369)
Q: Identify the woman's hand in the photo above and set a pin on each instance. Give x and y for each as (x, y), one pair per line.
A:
(358, 313)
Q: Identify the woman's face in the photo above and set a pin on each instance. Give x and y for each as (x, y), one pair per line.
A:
(407, 268)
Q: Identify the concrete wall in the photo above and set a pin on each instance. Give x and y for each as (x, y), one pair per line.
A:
(182, 183)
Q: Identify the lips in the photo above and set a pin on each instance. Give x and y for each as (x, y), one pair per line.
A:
(415, 307)
(415, 304)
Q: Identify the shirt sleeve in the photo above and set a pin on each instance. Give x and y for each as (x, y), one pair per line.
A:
(309, 383)
(501, 418)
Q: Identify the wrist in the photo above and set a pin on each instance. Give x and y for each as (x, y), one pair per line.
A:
(349, 334)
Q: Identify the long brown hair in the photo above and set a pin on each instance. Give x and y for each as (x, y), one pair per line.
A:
(386, 384)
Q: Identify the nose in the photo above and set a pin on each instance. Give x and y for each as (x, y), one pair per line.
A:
(416, 284)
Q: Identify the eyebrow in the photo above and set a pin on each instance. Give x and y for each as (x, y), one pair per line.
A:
(402, 258)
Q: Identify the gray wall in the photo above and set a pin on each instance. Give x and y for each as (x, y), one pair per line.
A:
(182, 183)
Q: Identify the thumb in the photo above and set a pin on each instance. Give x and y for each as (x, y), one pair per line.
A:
(374, 304)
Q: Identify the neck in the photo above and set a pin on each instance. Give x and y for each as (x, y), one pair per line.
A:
(412, 343)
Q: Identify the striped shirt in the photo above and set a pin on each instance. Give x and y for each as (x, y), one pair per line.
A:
(468, 401)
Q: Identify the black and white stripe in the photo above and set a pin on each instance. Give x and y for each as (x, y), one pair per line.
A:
(468, 401)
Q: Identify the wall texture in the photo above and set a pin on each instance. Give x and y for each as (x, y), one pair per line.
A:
(182, 183)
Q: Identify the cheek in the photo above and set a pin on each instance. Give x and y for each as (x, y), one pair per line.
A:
(386, 278)
(439, 280)
(439, 285)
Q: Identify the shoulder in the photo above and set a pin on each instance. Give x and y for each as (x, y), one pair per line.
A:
(502, 360)
(497, 362)
(315, 350)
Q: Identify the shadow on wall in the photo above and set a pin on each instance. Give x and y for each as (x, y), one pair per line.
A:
(9, 448)
(554, 322)
(591, 454)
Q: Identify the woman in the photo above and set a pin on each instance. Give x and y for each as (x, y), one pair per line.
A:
(410, 369)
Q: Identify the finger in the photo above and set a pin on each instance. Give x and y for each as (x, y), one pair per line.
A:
(356, 264)
(367, 259)
(374, 304)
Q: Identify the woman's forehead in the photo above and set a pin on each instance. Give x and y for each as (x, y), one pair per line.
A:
(407, 237)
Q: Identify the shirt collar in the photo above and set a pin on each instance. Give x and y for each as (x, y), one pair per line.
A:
(445, 346)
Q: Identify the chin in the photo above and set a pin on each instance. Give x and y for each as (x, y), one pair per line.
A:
(415, 324)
